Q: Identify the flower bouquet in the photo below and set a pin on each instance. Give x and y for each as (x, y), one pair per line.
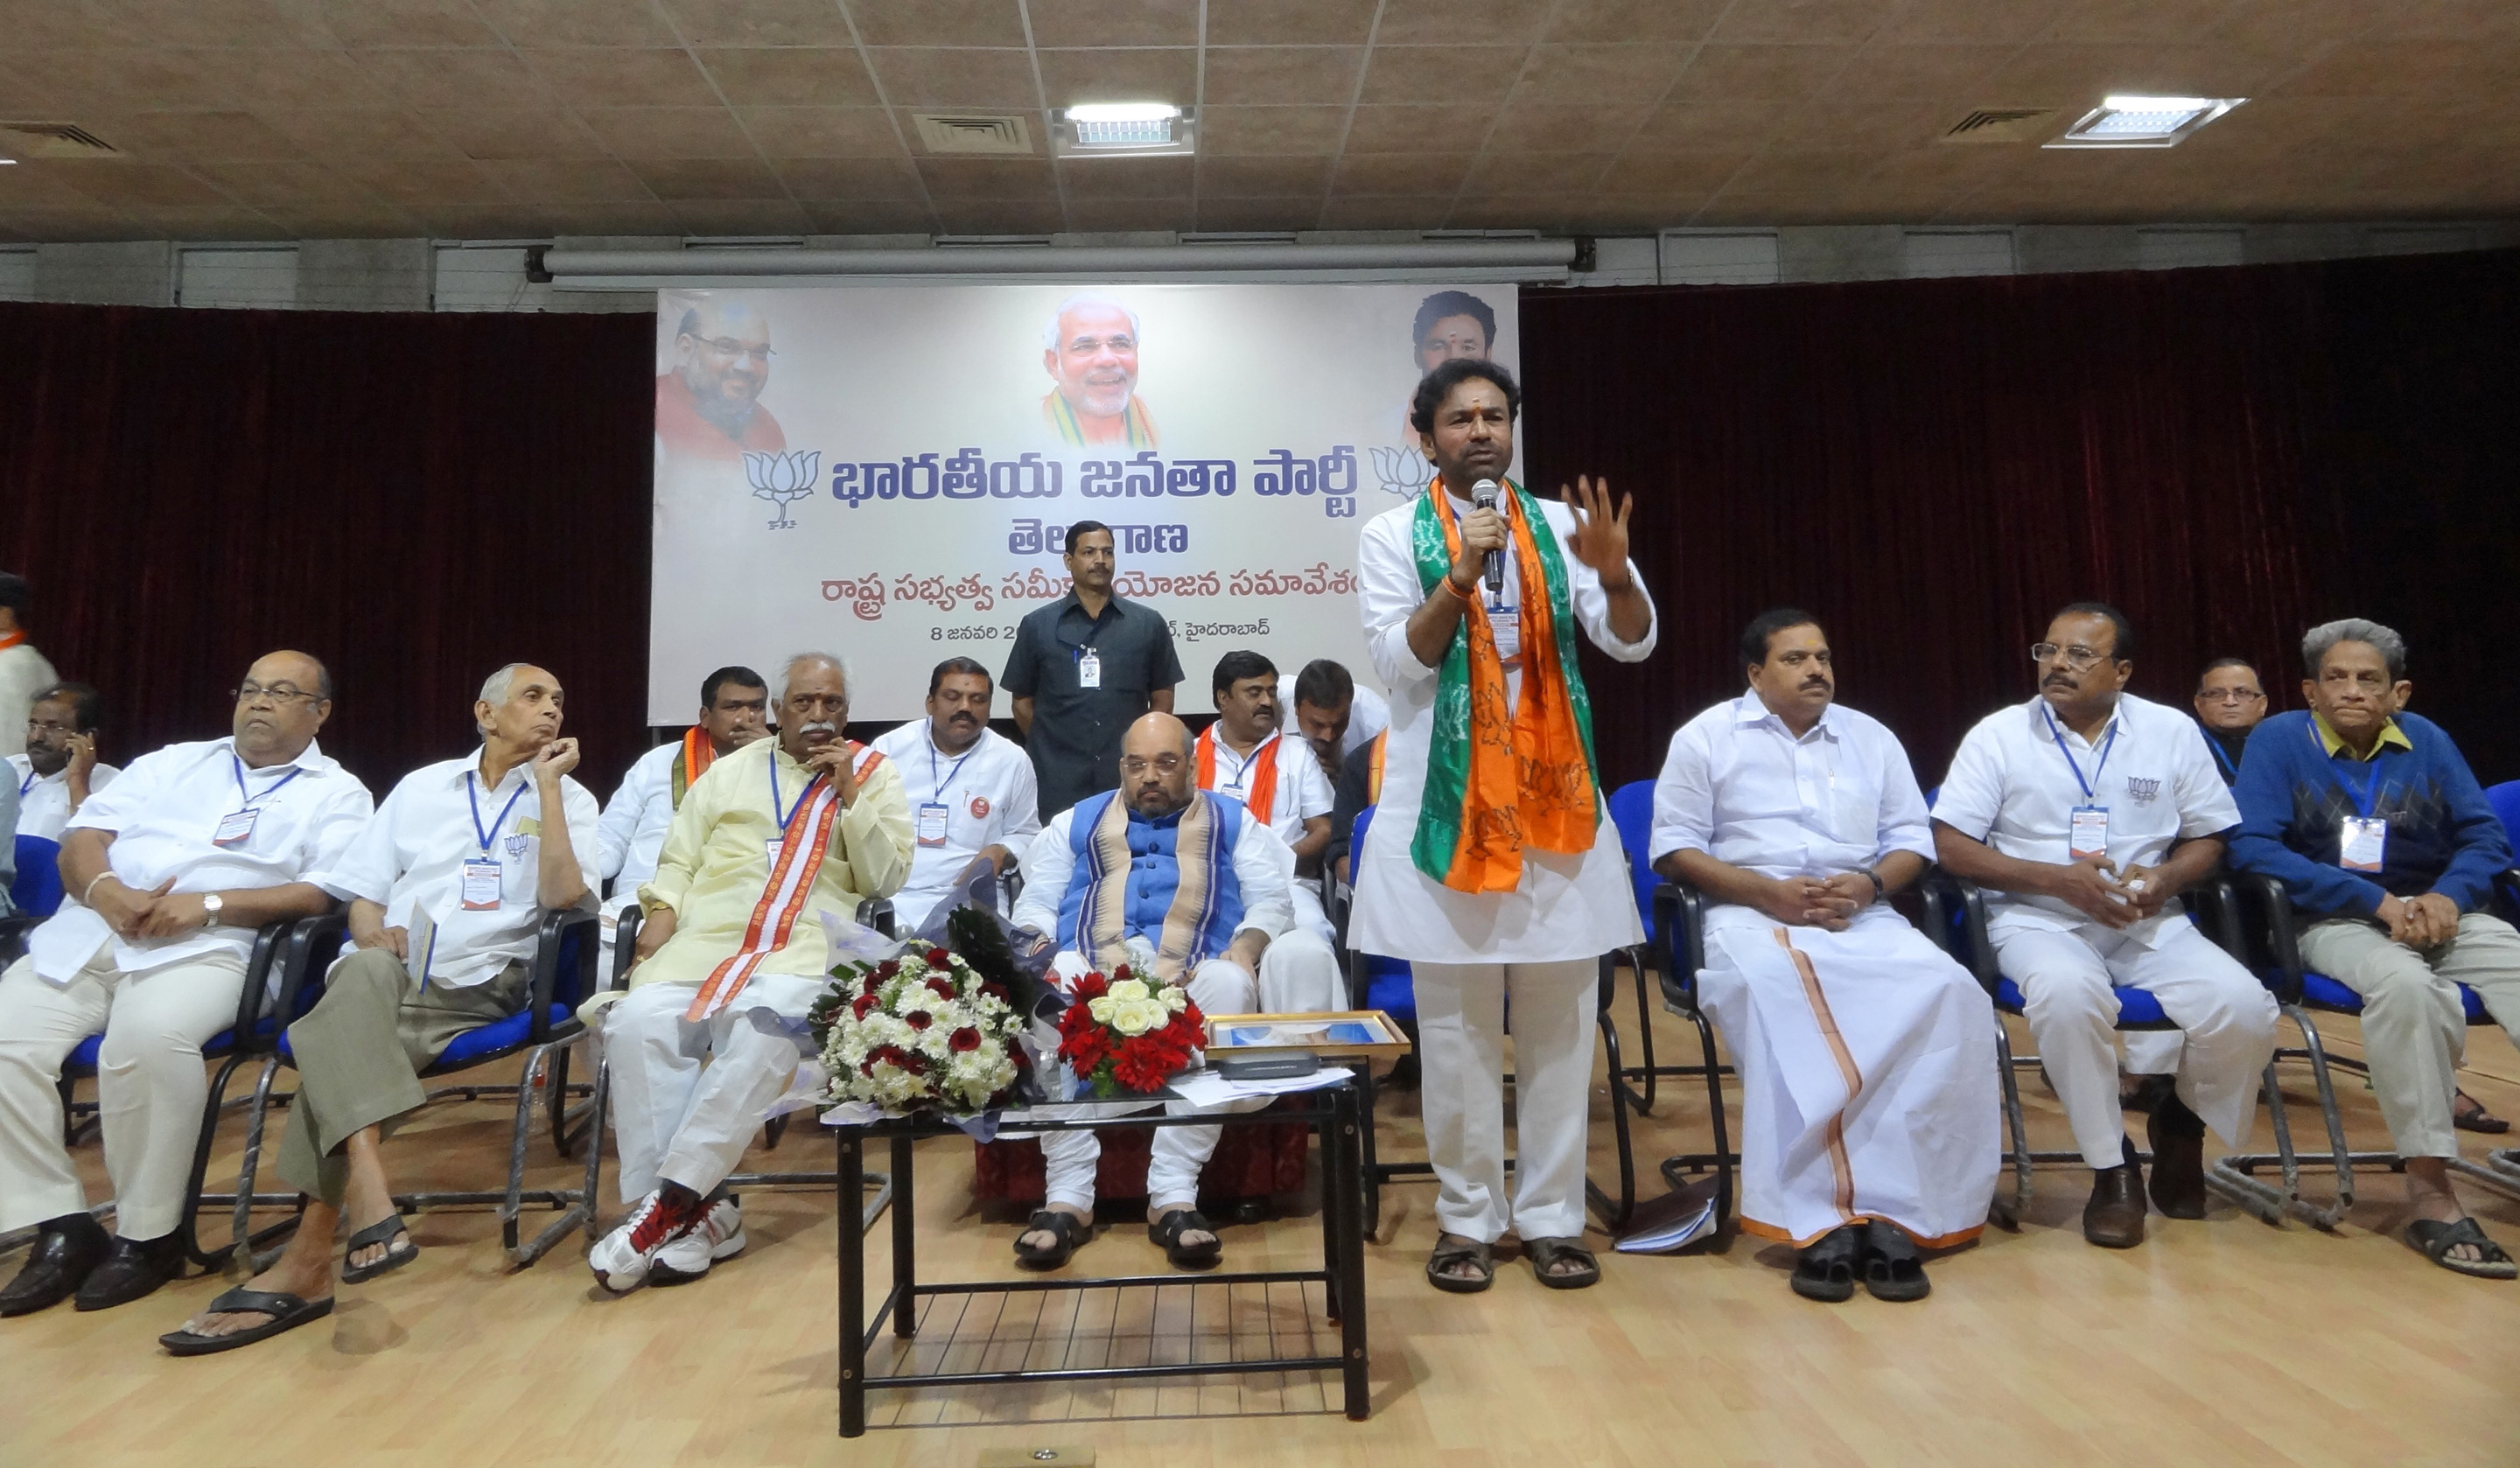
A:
(921, 1031)
(1126, 1034)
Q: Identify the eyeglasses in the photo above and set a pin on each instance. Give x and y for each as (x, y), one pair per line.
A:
(728, 346)
(2080, 660)
(1167, 765)
(279, 693)
(2228, 696)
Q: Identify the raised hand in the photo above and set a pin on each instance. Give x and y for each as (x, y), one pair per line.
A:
(555, 759)
(1601, 538)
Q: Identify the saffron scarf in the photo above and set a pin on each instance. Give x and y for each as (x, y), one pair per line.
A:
(802, 843)
(1260, 795)
(1499, 779)
(1200, 848)
(693, 762)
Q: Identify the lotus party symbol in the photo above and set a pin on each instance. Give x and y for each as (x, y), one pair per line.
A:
(1403, 471)
(783, 479)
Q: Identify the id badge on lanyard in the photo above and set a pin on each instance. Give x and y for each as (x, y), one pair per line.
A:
(236, 827)
(2088, 832)
(2363, 845)
(482, 880)
(931, 824)
(1088, 668)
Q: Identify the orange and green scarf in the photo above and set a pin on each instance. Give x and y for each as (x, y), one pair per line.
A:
(1500, 778)
(1136, 426)
(693, 762)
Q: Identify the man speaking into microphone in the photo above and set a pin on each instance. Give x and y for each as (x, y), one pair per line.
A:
(1492, 866)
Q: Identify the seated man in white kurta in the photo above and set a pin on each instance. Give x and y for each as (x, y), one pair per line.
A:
(972, 792)
(1205, 886)
(1866, 1056)
(1245, 756)
(773, 837)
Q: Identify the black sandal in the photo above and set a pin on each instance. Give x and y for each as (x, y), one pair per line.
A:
(1467, 1252)
(1071, 1230)
(1826, 1271)
(287, 1312)
(1891, 1267)
(1546, 1252)
(2434, 1240)
(1168, 1230)
(380, 1232)
(2468, 1114)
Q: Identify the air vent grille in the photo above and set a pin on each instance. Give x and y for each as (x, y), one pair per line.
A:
(2003, 124)
(967, 133)
(55, 140)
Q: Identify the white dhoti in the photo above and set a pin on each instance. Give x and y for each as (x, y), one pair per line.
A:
(687, 1097)
(1868, 1063)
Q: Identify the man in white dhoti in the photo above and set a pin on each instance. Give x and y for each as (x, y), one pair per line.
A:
(1205, 883)
(1494, 872)
(1869, 1099)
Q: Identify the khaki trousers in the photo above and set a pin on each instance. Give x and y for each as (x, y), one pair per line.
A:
(2414, 1027)
(361, 1049)
(149, 1084)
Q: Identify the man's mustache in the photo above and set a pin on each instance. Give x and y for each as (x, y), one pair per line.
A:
(1816, 682)
(966, 719)
(2058, 681)
(818, 726)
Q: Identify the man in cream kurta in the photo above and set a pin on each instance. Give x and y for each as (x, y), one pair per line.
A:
(1866, 1056)
(731, 929)
(1540, 942)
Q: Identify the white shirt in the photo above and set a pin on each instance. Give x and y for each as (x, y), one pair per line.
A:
(633, 827)
(1738, 786)
(2011, 786)
(1302, 789)
(1264, 868)
(1566, 907)
(163, 813)
(44, 800)
(410, 857)
(23, 673)
(990, 798)
(1367, 714)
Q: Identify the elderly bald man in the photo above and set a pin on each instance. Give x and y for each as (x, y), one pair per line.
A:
(168, 873)
(708, 407)
(775, 834)
(1209, 889)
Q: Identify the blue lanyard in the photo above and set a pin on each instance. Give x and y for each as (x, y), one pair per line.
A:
(2230, 771)
(2107, 744)
(28, 782)
(789, 815)
(249, 798)
(1244, 773)
(472, 793)
(950, 774)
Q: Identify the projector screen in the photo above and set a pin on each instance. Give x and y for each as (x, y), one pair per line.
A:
(888, 472)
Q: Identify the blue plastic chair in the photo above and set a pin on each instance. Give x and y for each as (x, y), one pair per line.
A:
(34, 892)
(2505, 800)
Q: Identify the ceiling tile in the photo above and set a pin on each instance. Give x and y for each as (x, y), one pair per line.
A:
(45, 183)
(489, 220)
(675, 179)
(988, 178)
(1535, 174)
(1462, 75)
(60, 25)
(1290, 22)
(1127, 178)
(1126, 214)
(344, 221)
(1125, 74)
(1631, 20)
(870, 216)
(1255, 214)
(138, 80)
(1781, 169)
(823, 132)
(849, 178)
(209, 222)
(1279, 75)
(626, 217)
(2136, 20)
(420, 186)
(2405, 69)
(955, 77)
(1630, 213)
(1983, 22)
(1799, 21)
(669, 132)
(369, 134)
(456, 78)
(1675, 173)
(1000, 216)
(1527, 127)
(220, 23)
(1506, 211)
(565, 180)
(1464, 22)
(1420, 130)
(92, 222)
(1601, 73)
(741, 216)
(1421, 213)
(519, 133)
(1947, 75)
(1262, 177)
(1232, 130)
(938, 23)
(624, 76)
(1114, 23)
(758, 22)
(2053, 73)
(1689, 126)
(311, 78)
(195, 137)
(1827, 122)
(791, 75)
(574, 22)
(1400, 173)
(404, 22)
(1731, 73)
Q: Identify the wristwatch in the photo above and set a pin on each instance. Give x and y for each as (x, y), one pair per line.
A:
(211, 904)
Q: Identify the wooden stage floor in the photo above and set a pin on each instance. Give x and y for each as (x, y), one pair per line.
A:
(2222, 1342)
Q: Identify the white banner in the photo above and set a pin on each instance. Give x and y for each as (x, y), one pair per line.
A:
(888, 472)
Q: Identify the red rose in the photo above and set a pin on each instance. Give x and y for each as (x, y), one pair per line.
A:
(940, 987)
(862, 1005)
(1120, 973)
(996, 992)
(873, 984)
(937, 957)
(918, 1019)
(887, 968)
(965, 1040)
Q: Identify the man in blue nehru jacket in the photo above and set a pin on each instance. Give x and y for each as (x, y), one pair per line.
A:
(2378, 830)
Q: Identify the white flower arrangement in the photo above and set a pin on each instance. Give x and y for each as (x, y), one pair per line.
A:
(1132, 1006)
(923, 1032)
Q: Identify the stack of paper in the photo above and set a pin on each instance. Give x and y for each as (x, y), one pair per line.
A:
(1672, 1221)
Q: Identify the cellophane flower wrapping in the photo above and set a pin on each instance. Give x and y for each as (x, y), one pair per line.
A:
(922, 1032)
(1124, 1035)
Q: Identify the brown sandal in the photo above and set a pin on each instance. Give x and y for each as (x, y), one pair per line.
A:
(1469, 1252)
(1546, 1252)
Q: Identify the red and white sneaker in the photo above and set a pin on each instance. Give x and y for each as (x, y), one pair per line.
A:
(622, 1259)
(687, 1255)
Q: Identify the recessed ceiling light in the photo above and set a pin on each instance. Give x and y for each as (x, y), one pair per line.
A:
(1124, 128)
(2144, 121)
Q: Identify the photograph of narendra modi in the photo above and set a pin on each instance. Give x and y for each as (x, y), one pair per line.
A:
(1090, 349)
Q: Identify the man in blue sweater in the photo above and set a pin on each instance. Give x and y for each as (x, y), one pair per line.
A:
(2379, 832)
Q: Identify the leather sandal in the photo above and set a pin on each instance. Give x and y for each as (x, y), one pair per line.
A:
(1071, 1230)
(2468, 1114)
(1546, 1252)
(1167, 1233)
(1891, 1267)
(2434, 1239)
(379, 1232)
(1826, 1271)
(1467, 1252)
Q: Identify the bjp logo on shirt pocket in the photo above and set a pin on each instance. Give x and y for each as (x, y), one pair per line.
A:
(2143, 790)
(980, 808)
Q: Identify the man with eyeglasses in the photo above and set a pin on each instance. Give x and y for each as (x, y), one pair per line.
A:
(2378, 830)
(1161, 875)
(168, 875)
(2085, 812)
(60, 768)
(972, 800)
(2229, 703)
(732, 952)
(708, 407)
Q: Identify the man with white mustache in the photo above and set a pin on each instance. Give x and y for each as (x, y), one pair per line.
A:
(971, 793)
(777, 834)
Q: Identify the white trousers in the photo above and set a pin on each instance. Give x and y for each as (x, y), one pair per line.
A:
(2226, 1017)
(687, 1098)
(1461, 1040)
(149, 1084)
(1309, 914)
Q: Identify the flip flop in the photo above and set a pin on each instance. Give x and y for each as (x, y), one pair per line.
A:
(2434, 1240)
(1470, 1253)
(380, 1232)
(1891, 1267)
(287, 1312)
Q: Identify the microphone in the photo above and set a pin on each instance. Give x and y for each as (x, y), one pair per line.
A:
(1483, 495)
